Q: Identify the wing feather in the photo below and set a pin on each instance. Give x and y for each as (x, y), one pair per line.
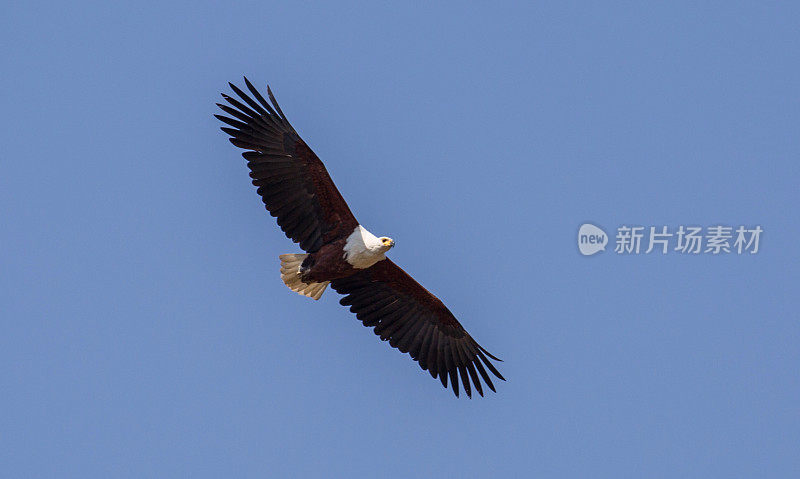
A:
(451, 367)
(433, 365)
(471, 368)
(416, 344)
(293, 183)
(416, 322)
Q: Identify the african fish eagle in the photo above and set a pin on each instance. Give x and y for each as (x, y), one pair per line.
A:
(297, 190)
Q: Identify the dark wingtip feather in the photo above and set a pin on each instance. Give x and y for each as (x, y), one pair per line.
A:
(454, 380)
(489, 354)
(275, 103)
(249, 85)
(490, 366)
(484, 374)
(475, 379)
(229, 121)
(260, 98)
(465, 381)
(467, 362)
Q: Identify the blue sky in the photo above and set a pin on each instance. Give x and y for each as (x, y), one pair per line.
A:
(146, 333)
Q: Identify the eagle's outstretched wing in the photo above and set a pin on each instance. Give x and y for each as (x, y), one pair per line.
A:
(416, 322)
(293, 183)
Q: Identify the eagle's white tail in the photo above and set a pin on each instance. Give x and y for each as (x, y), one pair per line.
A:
(290, 274)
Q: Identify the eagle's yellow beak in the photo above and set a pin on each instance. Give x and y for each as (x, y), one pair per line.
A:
(387, 241)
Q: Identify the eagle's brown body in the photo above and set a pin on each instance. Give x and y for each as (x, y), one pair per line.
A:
(327, 264)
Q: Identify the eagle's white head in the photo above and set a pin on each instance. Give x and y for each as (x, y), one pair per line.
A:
(386, 243)
(363, 249)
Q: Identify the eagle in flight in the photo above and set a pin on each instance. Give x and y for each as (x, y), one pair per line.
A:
(297, 190)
